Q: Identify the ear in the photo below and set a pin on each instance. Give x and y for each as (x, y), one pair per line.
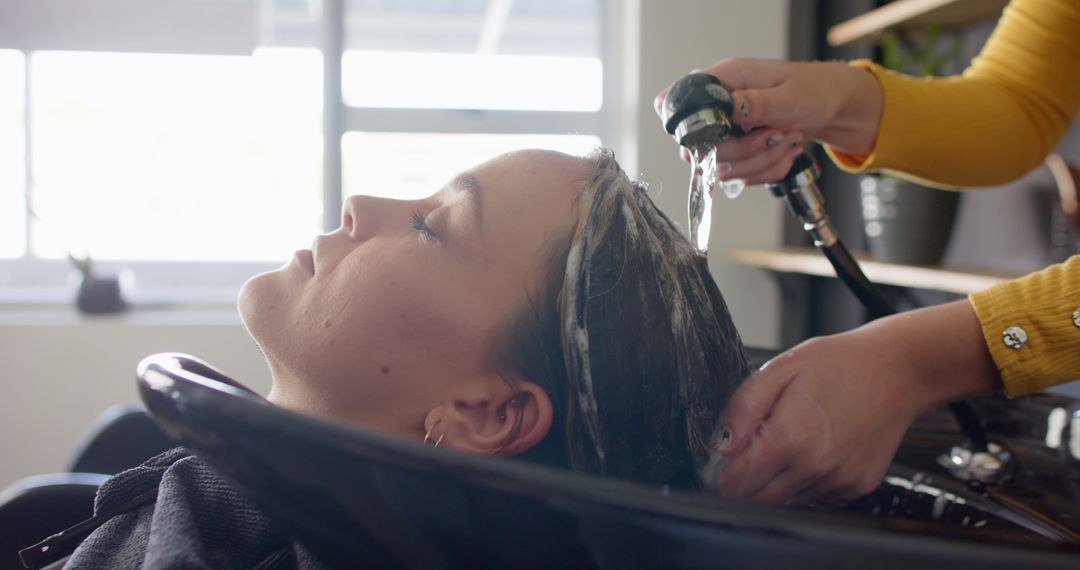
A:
(492, 420)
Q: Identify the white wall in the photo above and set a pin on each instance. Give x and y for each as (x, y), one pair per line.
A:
(59, 371)
(677, 37)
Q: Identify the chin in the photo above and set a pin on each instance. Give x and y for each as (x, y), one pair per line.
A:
(270, 307)
(259, 303)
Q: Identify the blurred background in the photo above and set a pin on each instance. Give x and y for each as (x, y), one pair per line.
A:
(181, 146)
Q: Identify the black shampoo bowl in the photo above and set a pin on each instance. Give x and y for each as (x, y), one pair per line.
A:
(355, 497)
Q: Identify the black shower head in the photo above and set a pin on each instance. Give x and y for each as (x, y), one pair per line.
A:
(697, 110)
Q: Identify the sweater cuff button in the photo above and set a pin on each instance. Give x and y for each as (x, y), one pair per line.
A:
(1014, 337)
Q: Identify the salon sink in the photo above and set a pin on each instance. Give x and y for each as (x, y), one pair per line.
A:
(354, 496)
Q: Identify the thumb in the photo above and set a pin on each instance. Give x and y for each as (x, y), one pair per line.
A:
(751, 404)
(658, 103)
(768, 107)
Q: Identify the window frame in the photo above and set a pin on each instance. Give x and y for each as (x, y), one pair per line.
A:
(32, 280)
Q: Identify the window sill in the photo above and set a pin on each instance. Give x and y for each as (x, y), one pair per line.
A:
(48, 314)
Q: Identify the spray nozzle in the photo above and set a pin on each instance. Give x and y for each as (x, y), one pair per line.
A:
(697, 113)
(697, 110)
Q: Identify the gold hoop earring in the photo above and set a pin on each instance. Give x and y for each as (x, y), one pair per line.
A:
(512, 404)
(427, 437)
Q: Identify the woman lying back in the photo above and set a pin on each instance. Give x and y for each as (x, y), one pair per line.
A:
(539, 306)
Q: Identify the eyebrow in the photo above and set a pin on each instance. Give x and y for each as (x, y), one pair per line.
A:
(468, 183)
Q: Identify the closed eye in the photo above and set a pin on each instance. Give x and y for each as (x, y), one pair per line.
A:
(422, 226)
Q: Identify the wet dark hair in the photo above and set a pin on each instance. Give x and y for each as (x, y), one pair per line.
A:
(630, 338)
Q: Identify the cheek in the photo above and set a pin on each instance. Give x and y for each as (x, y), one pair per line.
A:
(345, 311)
(385, 310)
(411, 325)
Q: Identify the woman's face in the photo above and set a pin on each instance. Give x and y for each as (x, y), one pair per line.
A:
(396, 313)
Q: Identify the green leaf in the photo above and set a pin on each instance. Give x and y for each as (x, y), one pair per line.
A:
(924, 58)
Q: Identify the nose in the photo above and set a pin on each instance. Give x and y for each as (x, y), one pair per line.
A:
(362, 216)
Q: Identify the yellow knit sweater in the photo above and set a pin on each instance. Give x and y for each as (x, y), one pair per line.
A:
(990, 125)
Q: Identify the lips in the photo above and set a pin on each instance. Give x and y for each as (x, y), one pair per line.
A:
(306, 260)
(318, 249)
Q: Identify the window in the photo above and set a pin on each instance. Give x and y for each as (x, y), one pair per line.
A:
(436, 87)
(471, 81)
(535, 55)
(188, 146)
(175, 157)
(413, 165)
(12, 156)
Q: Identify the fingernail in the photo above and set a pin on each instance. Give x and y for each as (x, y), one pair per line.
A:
(796, 142)
(724, 441)
(723, 168)
(744, 108)
(771, 141)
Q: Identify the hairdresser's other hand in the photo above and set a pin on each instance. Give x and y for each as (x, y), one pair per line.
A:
(831, 102)
(822, 421)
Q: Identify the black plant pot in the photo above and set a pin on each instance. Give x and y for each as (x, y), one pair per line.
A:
(906, 222)
(102, 295)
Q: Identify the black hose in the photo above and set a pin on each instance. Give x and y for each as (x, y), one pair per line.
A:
(970, 425)
(848, 270)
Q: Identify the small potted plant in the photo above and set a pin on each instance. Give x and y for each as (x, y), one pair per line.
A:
(904, 221)
(99, 294)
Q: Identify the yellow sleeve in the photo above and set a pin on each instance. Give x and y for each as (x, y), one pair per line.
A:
(1045, 306)
(996, 121)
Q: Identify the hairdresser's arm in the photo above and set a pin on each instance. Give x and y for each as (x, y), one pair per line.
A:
(992, 124)
(823, 420)
(995, 122)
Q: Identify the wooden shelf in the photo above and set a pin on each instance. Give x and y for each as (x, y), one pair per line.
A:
(905, 13)
(810, 261)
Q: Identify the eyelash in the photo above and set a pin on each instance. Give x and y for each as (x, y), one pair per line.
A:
(422, 226)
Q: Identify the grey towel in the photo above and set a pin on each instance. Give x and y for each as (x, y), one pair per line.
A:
(198, 521)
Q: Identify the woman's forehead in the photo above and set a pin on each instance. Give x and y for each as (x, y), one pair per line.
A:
(536, 160)
(536, 170)
(527, 201)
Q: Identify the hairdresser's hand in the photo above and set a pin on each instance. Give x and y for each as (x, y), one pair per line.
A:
(822, 421)
(831, 102)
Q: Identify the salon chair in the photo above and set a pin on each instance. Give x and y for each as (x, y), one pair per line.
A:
(30, 509)
(354, 497)
(36, 507)
(122, 437)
